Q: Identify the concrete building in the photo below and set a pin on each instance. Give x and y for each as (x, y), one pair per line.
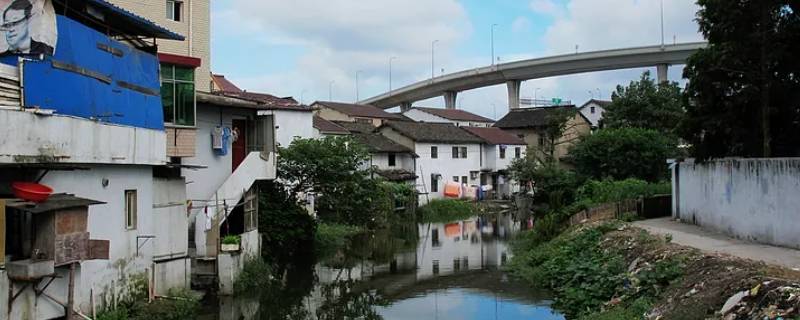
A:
(446, 154)
(292, 120)
(457, 117)
(593, 111)
(88, 122)
(393, 161)
(337, 111)
(531, 125)
(498, 150)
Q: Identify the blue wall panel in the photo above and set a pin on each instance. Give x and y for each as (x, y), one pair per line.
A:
(92, 76)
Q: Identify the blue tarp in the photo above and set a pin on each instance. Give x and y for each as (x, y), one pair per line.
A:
(92, 76)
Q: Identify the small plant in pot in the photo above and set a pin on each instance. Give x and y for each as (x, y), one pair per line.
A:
(231, 243)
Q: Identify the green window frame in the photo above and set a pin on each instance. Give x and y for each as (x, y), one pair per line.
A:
(178, 95)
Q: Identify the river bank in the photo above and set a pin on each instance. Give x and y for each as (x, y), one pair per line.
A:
(612, 270)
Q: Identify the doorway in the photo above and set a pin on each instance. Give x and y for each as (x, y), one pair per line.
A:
(239, 149)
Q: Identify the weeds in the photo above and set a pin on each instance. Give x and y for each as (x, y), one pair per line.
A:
(181, 305)
(446, 210)
(255, 275)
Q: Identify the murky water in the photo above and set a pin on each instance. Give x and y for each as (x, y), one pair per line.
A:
(412, 271)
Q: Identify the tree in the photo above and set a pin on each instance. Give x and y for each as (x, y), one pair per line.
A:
(645, 104)
(555, 133)
(320, 165)
(624, 153)
(554, 186)
(744, 88)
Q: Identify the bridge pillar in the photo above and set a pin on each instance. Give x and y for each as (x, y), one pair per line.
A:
(662, 70)
(405, 106)
(513, 93)
(450, 99)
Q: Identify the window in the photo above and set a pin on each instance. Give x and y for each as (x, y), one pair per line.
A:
(434, 184)
(517, 152)
(463, 152)
(130, 209)
(434, 152)
(177, 94)
(459, 152)
(455, 178)
(455, 153)
(502, 152)
(174, 10)
(392, 160)
(464, 179)
(592, 109)
(541, 141)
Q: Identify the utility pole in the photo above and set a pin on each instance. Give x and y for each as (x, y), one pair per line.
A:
(534, 96)
(662, 24)
(493, 25)
(390, 73)
(330, 90)
(433, 47)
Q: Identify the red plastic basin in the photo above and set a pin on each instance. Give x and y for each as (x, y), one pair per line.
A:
(31, 191)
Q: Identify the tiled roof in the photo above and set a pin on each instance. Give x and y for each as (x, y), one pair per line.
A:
(326, 126)
(602, 103)
(356, 127)
(495, 135)
(397, 175)
(224, 85)
(270, 101)
(358, 110)
(433, 132)
(529, 117)
(455, 114)
(378, 143)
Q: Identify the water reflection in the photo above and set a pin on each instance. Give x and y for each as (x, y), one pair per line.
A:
(410, 271)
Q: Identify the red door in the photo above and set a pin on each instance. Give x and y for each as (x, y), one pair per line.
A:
(239, 149)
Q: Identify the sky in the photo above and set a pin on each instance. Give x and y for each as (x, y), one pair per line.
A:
(316, 49)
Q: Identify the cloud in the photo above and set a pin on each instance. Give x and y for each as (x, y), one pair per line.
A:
(546, 7)
(520, 24)
(341, 37)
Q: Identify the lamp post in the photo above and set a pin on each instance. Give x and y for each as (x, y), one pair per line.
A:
(535, 99)
(493, 26)
(330, 90)
(357, 73)
(433, 47)
(662, 23)
(390, 73)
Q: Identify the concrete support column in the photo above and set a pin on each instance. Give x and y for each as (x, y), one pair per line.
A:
(662, 70)
(450, 99)
(405, 106)
(513, 93)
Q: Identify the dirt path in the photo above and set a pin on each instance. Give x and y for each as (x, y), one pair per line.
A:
(708, 241)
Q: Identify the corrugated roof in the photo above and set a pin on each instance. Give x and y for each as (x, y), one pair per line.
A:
(356, 127)
(454, 114)
(224, 85)
(433, 132)
(326, 126)
(529, 117)
(495, 136)
(376, 142)
(359, 110)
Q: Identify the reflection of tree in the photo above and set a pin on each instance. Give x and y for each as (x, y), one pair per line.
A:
(340, 301)
(379, 246)
(283, 300)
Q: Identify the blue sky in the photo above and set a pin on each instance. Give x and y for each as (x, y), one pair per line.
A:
(311, 49)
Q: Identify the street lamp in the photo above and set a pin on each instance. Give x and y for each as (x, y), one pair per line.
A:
(662, 23)
(330, 90)
(433, 47)
(357, 73)
(390, 73)
(493, 25)
(535, 91)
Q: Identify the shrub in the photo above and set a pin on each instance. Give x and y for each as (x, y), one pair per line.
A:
(446, 210)
(624, 153)
(611, 191)
(180, 305)
(331, 237)
(255, 275)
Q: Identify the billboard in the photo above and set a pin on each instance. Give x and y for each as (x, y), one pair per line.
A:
(27, 27)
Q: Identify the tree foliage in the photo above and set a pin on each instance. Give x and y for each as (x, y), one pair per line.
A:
(744, 88)
(554, 187)
(624, 153)
(645, 104)
(555, 133)
(320, 165)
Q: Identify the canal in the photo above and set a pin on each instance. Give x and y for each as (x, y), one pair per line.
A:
(448, 270)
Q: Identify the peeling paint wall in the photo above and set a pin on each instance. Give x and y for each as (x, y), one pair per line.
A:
(751, 199)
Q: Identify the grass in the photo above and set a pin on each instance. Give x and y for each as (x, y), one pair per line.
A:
(331, 237)
(446, 210)
(182, 305)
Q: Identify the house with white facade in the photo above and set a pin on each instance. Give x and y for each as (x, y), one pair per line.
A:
(446, 154)
(457, 117)
(391, 160)
(84, 116)
(593, 111)
(498, 150)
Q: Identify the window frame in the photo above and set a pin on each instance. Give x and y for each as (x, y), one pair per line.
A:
(131, 208)
(517, 152)
(434, 152)
(464, 180)
(174, 81)
(177, 7)
(434, 184)
(463, 152)
(592, 109)
(455, 179)
(392, 160)
(502, 151)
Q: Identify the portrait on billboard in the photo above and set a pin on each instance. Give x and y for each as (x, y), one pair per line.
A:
(27, 27)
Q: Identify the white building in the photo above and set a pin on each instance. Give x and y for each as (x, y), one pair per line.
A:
(457, 117)
(593, 111)
(446, 154)
(498, 151)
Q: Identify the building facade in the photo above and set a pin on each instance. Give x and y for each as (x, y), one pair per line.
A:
(593, 111)
(457, 117)
(348, 112)
(531, 125)
(498, 150)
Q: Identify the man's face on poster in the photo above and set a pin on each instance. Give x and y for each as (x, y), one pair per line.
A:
(15, 24)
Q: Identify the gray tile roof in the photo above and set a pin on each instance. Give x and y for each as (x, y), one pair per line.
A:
(433, 132)
(529, 117)
(378, 143)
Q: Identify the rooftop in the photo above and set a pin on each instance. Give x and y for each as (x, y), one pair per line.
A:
(602, 103)
(376, 142)
(495, 136)
(359, 110)
(113, 20)
(454, 114)
(433, 132)
(224, 85)
(530, 117)
(269, 101)
(356, 127)
(325, 126)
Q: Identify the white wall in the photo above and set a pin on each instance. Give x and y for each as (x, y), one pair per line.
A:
(403, 161)
(291, 124)
(595, 117)
(422, 116)
(445, 165)
(752, 199)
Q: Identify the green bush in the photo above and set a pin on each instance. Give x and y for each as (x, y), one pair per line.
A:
(446, 210)
(332, 237)
(624, 153)
(232, 239)
(611, 191)
(181, 305)
(255, 275)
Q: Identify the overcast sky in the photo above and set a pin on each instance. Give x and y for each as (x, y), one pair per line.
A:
(297, 48)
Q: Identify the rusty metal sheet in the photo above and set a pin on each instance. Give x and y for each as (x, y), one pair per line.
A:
(72, 220)
(71, 248)
(98, 249)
